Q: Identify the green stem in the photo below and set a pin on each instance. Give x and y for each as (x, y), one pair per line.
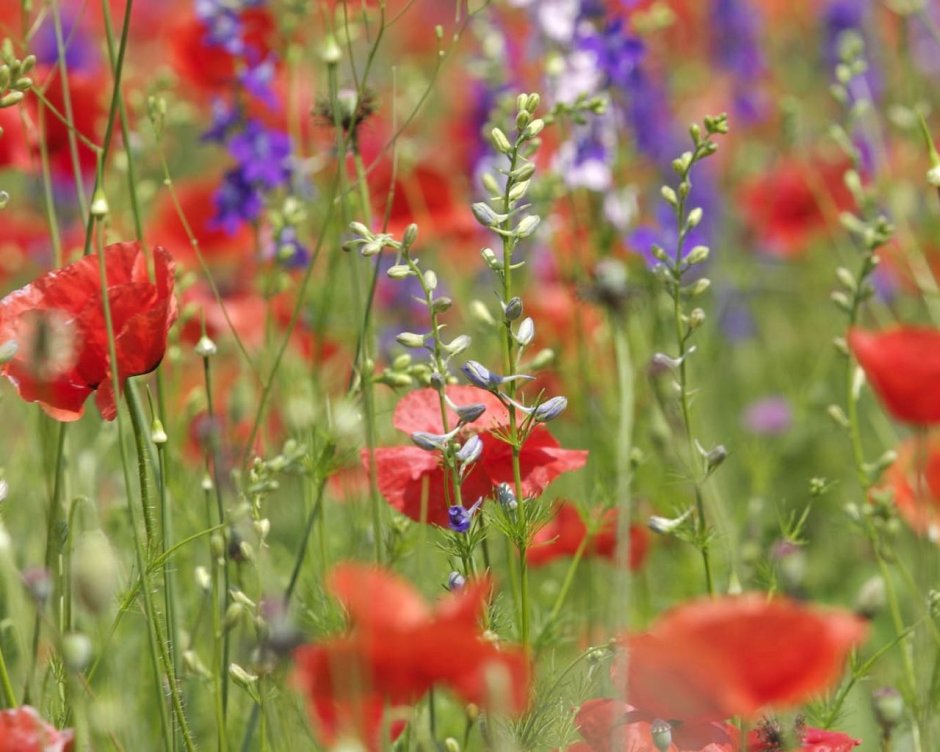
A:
(220, 600)
(9, 696)
(157, 652)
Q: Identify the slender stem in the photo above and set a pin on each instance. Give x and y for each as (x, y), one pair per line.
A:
(67, 105)
(624, 470)
(157, 654)
(9, 696)
(220, 600)
(118, 70)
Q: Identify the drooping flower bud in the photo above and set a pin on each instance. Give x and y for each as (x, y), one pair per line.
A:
(455, 581)
(550, 409)
(661, 734)
(470, 451)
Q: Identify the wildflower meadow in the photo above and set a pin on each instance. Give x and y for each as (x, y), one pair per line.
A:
(464, 375)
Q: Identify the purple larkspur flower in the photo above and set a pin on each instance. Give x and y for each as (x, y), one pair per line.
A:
(81, 48)
(262, 155)
(770, 416)
(225, 120)
(736, 26)
(257, 80)
(289, 251)
(460, 519)
(236, 201)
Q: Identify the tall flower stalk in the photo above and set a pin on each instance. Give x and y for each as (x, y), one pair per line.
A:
(675, 270)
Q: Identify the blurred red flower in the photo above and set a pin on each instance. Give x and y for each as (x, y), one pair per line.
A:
(903, 366)
(608, 725)
(405, 472)
(917, 499)
(565, 532)
(712, 659)
(88, 112)
(397, 650)
(57, 323)
(23, 730)
(789, 205)
(767, 738)
(210, 67)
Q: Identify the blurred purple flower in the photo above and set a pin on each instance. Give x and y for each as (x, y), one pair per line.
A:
(81, 47)
(770, 416)
(236, 201)
(262, 155)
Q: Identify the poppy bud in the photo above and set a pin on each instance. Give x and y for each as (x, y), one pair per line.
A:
(157, 434)
(99, 205)
(205, 347)
(76, 651)
(871, 597)
(661, 734)
(330, 52)
(888, 707)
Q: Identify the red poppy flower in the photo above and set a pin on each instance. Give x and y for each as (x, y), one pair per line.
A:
(397, 650)
(785, 206)
(563, 536)
(58, 325)
(88, 112)
(903, 366)
(210, 67)
(14, 145)
(226, 255)
(608, 725)
(407, 473)
(917, 499)
(427, 195)
(712, 659)
(767, 739)
(23, 730)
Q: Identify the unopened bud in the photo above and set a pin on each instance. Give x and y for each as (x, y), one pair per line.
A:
(500, 141)
(205, 347)
(661, 734)
(888, 707)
